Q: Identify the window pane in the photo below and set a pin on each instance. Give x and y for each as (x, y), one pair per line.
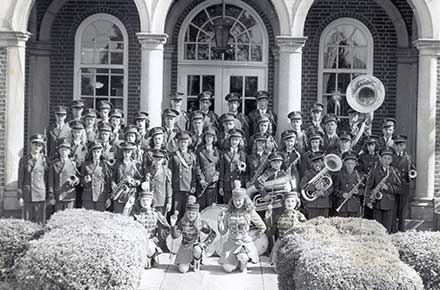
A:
(229, 54)
(343, 81)
(87, 56)
(251, 86)
(192, 104)
(358, 38)
(330, 57)
(256, 53)
(101, 85)
(190, 51)
(236, 84)
(87, 85)
(247, 19)
(215, 10)
(249, 105)
(328, 83)
(116, 34)
(237, 29)
(203, 52)
(205, 36)
(117, 86)
(200, 19)
(101, 56)
(345, 57)
(193, 82)
(117, 58)
(208, 83)
(117, 103)
(117, 71)
(243, 53)
(88, 102)
(360, 58)
(233, 11)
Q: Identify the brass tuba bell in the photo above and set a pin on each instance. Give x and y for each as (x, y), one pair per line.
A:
(365, 93)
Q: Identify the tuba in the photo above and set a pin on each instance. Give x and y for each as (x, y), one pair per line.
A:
(321, 182)
(275, 193)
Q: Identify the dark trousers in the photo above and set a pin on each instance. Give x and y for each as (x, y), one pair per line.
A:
(227, 196)
(208, 197)
(78, 200)
(91, 205)
(180, 198)
(315, 212)
(118, 207)
(348, 214)
(34, 212)
(62, 205)
(402, 207)
(385, 217)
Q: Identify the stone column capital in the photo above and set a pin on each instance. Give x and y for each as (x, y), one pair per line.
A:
(428, 46)
(11, 38)
(152, 41)
(41, 48)
(290, 44)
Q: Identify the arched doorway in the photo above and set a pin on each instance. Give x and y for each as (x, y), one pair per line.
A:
(242, 68)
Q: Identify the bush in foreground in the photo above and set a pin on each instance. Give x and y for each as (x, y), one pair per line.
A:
(421, 250)
(107, 252)
(15, 236)
(342, 254)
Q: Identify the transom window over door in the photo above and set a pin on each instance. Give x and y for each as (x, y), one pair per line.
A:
(345, 51)
(101, 60)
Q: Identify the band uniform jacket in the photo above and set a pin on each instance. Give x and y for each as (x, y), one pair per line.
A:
(197, 140)
(208, 165)
(183, 171)
(267, 175)
(301, 141)
(338, 152)
(401, 162)
(210, 119)
(306, 162)
(271, 144)
(60, 173)
(170, 139)
(345, 182)
(288, 159)
(330, 143)
(367, 161)
(32, 178)
(256, 161)
(123, 170)
(182, 121)
(242, 122)
(313, 128)
(229, 169)
(144, 140)
(383, 142)
(255, 114)
(160, 185)
(99, 188)
(321, 202)
(54, 133)
(393, 182)
(79, 153)
(91, 134)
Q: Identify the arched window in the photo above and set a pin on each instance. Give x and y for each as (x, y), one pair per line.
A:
(101, 61)
(345, 51)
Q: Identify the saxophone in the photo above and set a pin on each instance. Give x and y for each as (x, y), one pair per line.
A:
(376, 193)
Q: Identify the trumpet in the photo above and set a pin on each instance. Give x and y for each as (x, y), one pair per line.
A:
(241, 166)
(412, 172)
(111, 162)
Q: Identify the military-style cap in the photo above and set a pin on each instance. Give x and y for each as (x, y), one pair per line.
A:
(329, 118)
(63, 142)
(38, 138)
(104, 126)
(141, 116)
(371, 139)
(197, 115)
(233, 97)
(317, 107)
(262, 119)
(131, 129)
(344, 135)
(176, 96)
(170, 113)
(295, 115)
(95, 145)
(116, 113)
(317, 135)
(145, 193)
(236, 132)
(76, 124)
(156, 130)
(287, 134)
(275, 156)
(125, 145)
(259, 137)
(387, 122)
(210, 130)
(317, 155)
(386, 151)
(349, 155)
(104, 105)
(90, 113)
(183, 135)
(77, 104)
(60, 110)
(400, 139)
(238, 193)
(262, 95)
(159, 153)
(227, 117)
(206, 95)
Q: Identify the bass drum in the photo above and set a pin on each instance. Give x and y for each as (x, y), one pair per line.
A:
(262, 243)
(210, 216)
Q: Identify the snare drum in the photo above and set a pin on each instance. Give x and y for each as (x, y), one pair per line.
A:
(210, 216)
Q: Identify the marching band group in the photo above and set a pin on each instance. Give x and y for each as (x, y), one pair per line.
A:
(164, 176)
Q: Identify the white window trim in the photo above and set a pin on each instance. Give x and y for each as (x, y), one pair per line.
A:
(206, 4)
(77, 58)
(370, 50)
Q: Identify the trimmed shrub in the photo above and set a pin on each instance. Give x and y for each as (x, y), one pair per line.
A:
(15, 236)
(85, 250)
(421, 250)
(342, 254)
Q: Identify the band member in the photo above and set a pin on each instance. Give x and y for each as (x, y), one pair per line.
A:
(59, 130)
(170, 117)
(348, 187)
(63, 177)
(205, 102)
(90, 126)
(241, 121)
(182, 165)
(402, 161)
(264, 128)
(131, 135)
(262, 98)
(104, 108)
(160, 181)
(96, 180)
(322, 205)
(182, 120)
(227, 121)
(196, 129)
(358, 128)
(190, 227)
(258, 160)
(155, 224)
(315, 144)
(386, 140)
(382, 187)
(126, 178)
(239, 248)
(77, 108)
(78, 153)
(301, 136)
(32, 182)
(109, 151)
(232, 165)
(369, 157)
(316, 116)
(208, 169)
(143, 123)
(156, 142)
(330, 137)
(291, 157)
(116, 120)
(344, 144)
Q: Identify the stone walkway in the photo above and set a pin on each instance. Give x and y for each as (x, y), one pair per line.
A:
(210, 277)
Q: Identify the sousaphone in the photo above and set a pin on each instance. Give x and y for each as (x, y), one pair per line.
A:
(365, 93)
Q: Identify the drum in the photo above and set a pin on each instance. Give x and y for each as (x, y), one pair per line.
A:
(173, 245)
(210, 216)
(262, 243)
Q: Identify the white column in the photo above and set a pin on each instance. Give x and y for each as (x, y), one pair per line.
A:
(152, 74)
(290, 75)
(14, 42)
(167, 69)
(429, 51)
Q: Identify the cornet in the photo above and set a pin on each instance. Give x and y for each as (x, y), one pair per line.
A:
(241, 166)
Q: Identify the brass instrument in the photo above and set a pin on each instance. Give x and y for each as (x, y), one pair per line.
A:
(110, 162)
(321, 182)
(241, 166)
(146, 186)
(376, 193)
(275, 193)
(119, 190)
(259, 170)
(412, 172)
(293, 181)
(351, 193)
